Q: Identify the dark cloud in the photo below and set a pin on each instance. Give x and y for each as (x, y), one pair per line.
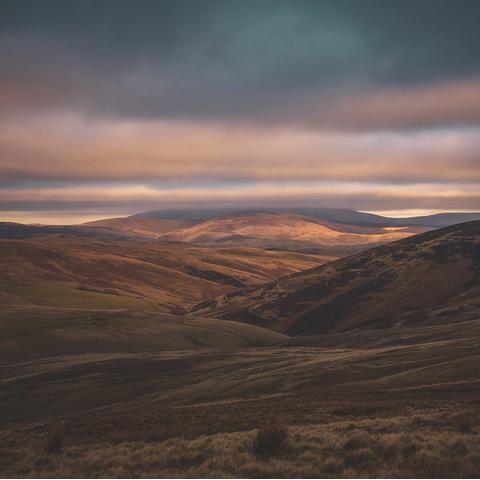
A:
(236, 98)
(224, 59)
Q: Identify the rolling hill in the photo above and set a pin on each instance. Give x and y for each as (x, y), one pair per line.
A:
(324, 231)
(433, 277)
(53, 331)
(279, 227)
(383, 380)
(137, 225)
(71, 271)
(345, 216)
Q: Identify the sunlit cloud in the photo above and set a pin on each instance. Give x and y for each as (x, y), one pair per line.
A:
(77, 148)
(119, 109)
(115, 200)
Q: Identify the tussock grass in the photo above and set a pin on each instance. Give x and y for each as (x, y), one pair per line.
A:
(270, 440)
(371, 448)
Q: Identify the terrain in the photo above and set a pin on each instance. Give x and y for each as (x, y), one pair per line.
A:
(73, 271)
(279, 230)
(423, 279)
(324, 231)
(369, 363)
(369, 407)
(344, 216)
(137, 225)
(48, 331)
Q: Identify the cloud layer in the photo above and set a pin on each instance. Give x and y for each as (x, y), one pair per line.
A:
(181, 100)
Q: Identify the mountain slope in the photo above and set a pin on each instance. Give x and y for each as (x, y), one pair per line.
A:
(325, 231)
(280, 229)
(78, 272)
(433, 276)
(343, 216)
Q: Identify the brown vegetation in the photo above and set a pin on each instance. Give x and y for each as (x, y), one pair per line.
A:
(88, 273)
(388, 447)
(428, 279)
(270, 440)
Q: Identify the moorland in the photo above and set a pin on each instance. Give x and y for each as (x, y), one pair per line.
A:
(233, 347)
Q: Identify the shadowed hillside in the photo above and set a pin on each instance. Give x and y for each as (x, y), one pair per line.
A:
(432, 277)
(48, 331)
(399, 409)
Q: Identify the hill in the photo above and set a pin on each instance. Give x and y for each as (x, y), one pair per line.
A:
(431, 277)
(142, 226)
(49, 331)
(81, 272)
(12, 231)
(323, 231)
(406, 407)
(344, 216)
(283, 231)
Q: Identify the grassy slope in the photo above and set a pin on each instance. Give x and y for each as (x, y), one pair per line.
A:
(71, 271)
(432, 277)
(398, 409)
(46, 331)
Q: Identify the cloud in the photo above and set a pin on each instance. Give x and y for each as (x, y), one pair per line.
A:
(231, 101)
(77, 148)
(394, 108)
(334, 64)
(132, 198)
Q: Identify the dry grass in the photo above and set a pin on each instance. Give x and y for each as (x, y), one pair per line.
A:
(372, 447)
(270, 440)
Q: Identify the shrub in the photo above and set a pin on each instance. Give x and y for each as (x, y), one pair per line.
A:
(464, 422)
(358, 440)
(270, 440)
(360, 458)
(54, 443)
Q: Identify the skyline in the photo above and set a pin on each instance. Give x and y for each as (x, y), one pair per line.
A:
(111, 108)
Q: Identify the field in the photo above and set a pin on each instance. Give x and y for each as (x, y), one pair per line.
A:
(393, 407)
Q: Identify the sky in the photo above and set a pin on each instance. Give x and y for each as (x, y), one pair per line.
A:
(109, 108)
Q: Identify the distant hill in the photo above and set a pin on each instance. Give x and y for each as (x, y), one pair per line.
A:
(324, 231)
(11, 230)
(281, 230)
(334, 215)
(433, 277)
(143, 226)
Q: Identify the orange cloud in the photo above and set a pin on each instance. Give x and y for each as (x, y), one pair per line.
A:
(79, 148)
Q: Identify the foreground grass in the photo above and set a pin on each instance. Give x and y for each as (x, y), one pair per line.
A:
(380, 447)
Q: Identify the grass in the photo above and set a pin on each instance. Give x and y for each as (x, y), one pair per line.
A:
(398, 409)
(270, 440)
(373, 448)
(58, 295)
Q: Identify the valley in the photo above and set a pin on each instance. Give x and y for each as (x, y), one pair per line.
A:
(154, 357)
